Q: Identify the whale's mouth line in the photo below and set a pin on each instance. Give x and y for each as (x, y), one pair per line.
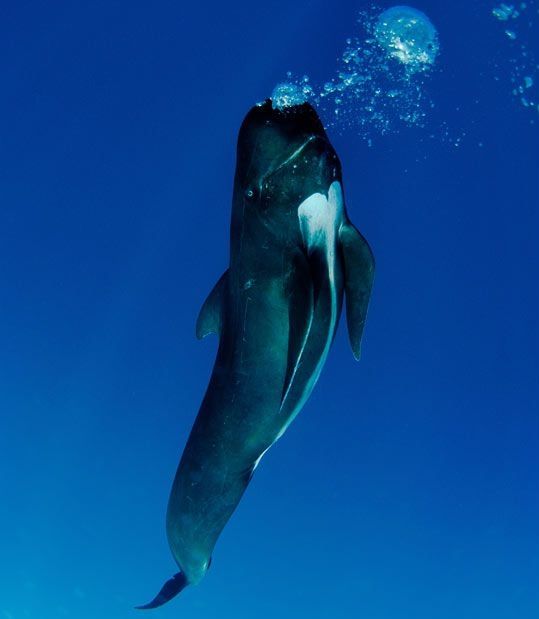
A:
(292, 157)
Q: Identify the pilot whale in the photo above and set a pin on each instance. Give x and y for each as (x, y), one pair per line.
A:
(294, 254)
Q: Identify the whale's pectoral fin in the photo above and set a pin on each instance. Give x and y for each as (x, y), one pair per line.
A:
(308, 346)
(311, 322)
(170, 589)
(358, 278)
(210, 316)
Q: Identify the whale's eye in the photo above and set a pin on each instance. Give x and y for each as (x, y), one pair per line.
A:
(250, 193)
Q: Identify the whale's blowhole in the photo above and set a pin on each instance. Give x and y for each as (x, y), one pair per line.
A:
(286, 95)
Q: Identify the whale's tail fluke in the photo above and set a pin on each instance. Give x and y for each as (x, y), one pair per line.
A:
(169, 590)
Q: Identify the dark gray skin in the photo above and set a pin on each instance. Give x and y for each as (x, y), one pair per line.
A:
(275, 310)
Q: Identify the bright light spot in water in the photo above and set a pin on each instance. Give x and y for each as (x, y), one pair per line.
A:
(409, 36)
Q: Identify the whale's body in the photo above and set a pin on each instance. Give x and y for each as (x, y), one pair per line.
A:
(293, 255)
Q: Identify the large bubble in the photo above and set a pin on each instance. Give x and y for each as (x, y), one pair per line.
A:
(408, 35)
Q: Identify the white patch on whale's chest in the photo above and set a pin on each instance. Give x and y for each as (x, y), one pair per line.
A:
(320, 219)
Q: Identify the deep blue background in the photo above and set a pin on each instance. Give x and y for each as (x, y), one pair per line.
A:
(408, 486)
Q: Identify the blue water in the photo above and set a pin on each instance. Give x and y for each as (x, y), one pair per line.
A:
(408, 486)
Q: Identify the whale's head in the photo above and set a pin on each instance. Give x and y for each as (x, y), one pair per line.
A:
(283, 157)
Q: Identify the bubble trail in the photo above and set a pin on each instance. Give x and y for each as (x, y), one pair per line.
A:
(379, 83)
(521, 61)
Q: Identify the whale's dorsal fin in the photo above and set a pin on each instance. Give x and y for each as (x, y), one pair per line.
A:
(358, 278)
(210, 316)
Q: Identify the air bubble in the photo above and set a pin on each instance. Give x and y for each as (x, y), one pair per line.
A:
(520, 60)
(408, 35)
